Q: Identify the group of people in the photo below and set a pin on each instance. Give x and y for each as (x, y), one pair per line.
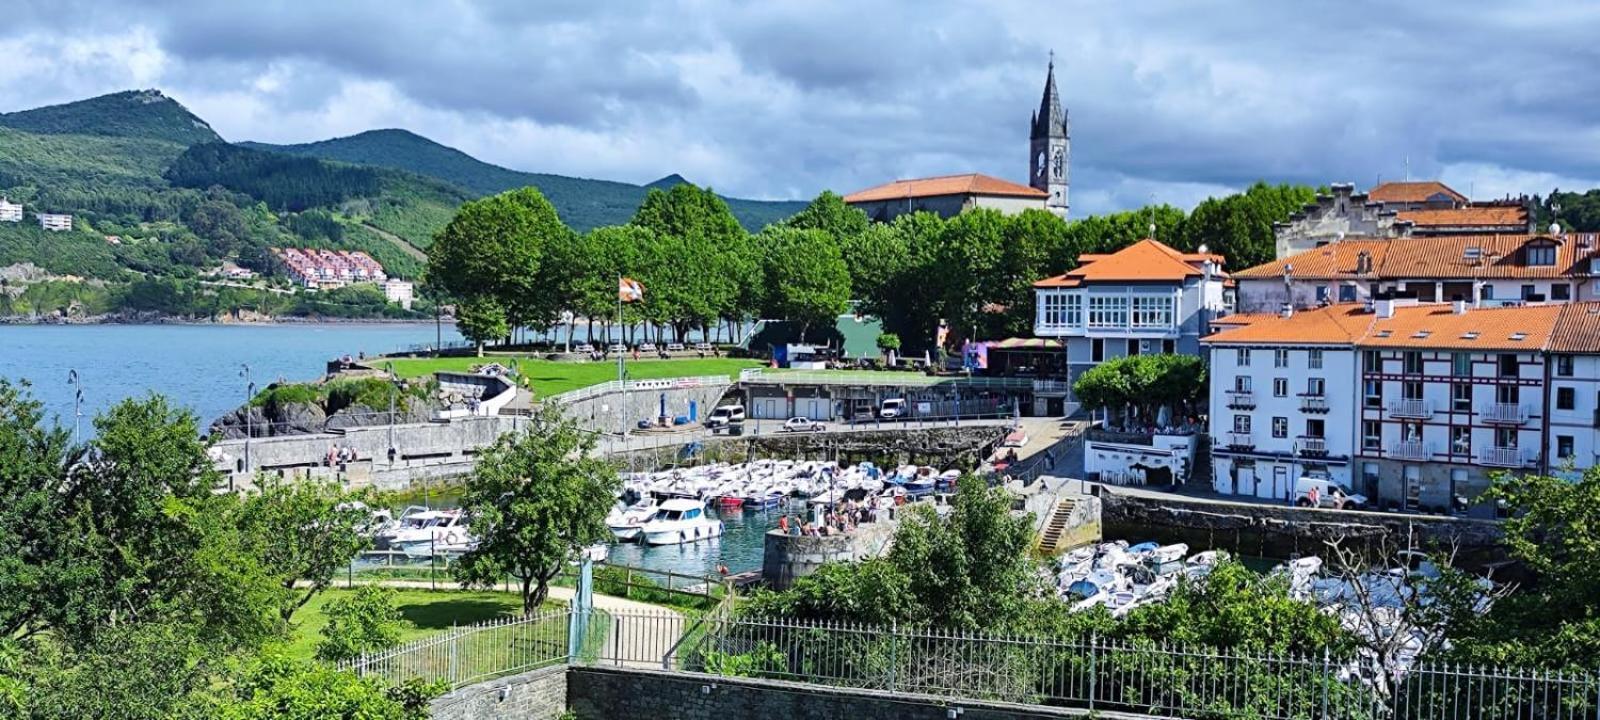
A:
(339, 455)
(840, 519)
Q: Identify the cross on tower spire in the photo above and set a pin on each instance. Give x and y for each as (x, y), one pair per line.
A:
(1050, 144)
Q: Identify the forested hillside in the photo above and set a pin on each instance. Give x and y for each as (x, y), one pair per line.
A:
(583, 204)
(144, 114)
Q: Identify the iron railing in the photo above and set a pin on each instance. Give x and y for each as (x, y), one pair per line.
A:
(1411, 408)
(1411, 450)
(1505, 413)
(1504, 457)
(1111, 675)
(890, 379)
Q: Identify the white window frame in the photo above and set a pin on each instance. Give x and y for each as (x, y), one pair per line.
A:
(1242, 357)
(1280, 358)
(1280, 387)
(1108, 312)
(1314, 358)
(1151, 312)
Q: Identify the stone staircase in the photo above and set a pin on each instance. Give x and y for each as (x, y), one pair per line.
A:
(1055, 529)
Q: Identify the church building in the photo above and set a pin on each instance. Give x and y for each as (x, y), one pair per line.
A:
(1050, 154)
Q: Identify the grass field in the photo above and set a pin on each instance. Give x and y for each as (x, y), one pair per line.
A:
(552, 378)
(429, 611)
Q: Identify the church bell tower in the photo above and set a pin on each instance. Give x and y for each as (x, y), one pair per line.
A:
(1050, 146)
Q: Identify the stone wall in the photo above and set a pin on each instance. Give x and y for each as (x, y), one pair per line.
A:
(609, 412)
(595, 693)
(899, 444)
(788, 557)
(423, 450)
(1276, 531)
(537, 695)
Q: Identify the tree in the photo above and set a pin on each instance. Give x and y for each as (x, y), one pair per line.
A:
(364, 622)
(698, 270)
(302, 532)
(888, 343)
(1239, 226)
(806, 278)
(535, 500)
(277, 687)
(491, 251)
(481, 319)
(1144, 383)
(830, 214)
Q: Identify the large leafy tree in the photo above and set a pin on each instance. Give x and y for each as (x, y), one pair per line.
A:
(302, 532)
(363, 622)
(1239, 226)
(806, 277)
(492, 251)
(696, 268)
(482, 319)
(830, 214)
(1143, 383)
(535, 500)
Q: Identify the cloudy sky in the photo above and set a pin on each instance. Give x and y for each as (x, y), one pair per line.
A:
(1175, 100)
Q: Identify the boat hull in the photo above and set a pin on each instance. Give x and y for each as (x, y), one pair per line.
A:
(626, 533)
(680, 536)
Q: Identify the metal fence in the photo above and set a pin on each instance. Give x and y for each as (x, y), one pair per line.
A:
(1160, 680)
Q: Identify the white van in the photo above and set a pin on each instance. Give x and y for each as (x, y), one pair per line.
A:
(1330, 494)
(724, 415)
(893, 408)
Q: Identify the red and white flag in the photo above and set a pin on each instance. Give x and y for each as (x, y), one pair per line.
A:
(629, 290)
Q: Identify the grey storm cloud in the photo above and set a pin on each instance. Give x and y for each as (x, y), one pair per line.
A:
(1172, 100)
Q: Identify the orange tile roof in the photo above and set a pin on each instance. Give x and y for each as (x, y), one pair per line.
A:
(1487, 215)
(1241, 319)
(1501, 257)
(968, 184)
(1442, 258)
(1430, 326)
(1412, 192)
(1438, 326)
(1331, 325)
(1334, 260)
(1143, 261)
(1578, 329)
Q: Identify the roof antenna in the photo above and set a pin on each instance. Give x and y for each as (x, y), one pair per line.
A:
(1152, 207)
(1408, 168)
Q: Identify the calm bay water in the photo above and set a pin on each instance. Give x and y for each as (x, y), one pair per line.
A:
(196, 366)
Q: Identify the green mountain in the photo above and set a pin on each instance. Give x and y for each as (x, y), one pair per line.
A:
(142, 114)
(583, 203)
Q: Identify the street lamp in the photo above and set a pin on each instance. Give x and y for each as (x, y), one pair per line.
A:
(77, 403)
(389, 366)
(249, 424)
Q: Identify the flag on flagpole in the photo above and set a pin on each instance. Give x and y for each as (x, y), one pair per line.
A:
(629, 290)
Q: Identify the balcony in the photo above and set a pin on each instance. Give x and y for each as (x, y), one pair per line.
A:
(1507, 457)
(1241, 399)
(1314, 403)
(1311, 446)
(1411, 450)
(1504, 414)
(1409, 408)
(1240, 441)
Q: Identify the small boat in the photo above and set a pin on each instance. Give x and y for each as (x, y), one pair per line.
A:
(680, 521)
(625, 522)
(429, 528)
(769, 499)
(1169, 553)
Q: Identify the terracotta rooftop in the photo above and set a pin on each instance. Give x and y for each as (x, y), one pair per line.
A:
(1430, 326)
(1447, 257)
(968, 184)
(1331, 261)
(1578, 329)
(1481, 216)
(1413, 192)
(1144, 261)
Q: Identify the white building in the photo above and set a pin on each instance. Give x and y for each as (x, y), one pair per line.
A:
(55, 222)
(399, 292)
(10, 211)
(1421, 405)
(1146, 298)
(1281, 405)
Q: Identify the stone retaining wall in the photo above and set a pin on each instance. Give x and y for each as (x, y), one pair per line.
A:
(940, 446)
(610, 413)
(788, 557)
(423, 450)
(1276, 531)
(537, 695)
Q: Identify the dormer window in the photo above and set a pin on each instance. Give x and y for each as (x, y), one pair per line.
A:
(1540, 255)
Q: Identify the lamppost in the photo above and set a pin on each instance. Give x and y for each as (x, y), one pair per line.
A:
(389, 366)
(249, 424)
(77, 403)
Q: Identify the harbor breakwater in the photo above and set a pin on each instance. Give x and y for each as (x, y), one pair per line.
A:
(1280, 532)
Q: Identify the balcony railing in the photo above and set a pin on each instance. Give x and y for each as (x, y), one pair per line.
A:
(1314, 403)
(1411, 450)
(1410, 408)
(1241, 399)
(1504, 457)
(1311, 446)
(1241, 440)
(1505, 413)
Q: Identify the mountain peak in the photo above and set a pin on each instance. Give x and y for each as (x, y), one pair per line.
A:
(144, 114)
(669, 182)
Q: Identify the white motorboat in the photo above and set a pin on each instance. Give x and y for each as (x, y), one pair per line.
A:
(680, 521)
(626, 522)
(425, 527)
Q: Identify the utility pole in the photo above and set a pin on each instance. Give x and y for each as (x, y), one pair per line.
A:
(249, 428)
(77, 403)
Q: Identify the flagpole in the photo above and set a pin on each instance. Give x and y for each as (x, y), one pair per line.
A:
(621, 358)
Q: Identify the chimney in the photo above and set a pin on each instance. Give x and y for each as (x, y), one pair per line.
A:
(1385, 308)
(1286, 310)
(1459, 307)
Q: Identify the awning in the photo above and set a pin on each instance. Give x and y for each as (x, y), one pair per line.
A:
(1024, 344)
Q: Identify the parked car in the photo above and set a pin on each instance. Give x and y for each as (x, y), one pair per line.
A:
(1329, 494)
(725, 415)
(802, 424)
(893, 408)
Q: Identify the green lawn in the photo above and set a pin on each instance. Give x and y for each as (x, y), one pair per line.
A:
(552, 378)
(429, 611)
